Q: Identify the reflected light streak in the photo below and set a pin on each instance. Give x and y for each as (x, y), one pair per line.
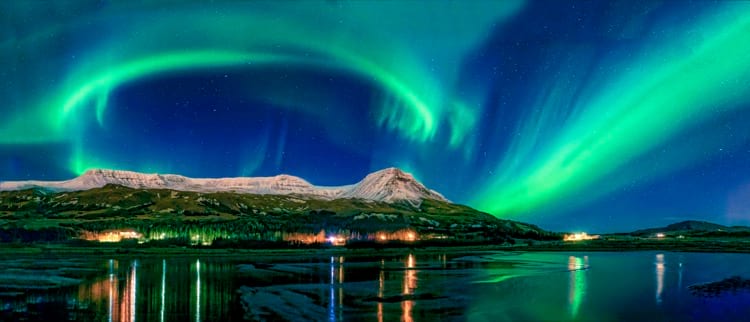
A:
(381, 290)
(341, 288)
(659, 277)
(679, 276)
(127, 304)
(134, 291)
(197, 290)
(577, 284)
(410, 284)
(163, 288)
(332, 300)
(111, 289)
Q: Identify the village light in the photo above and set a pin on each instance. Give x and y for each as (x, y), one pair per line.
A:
(410, 236)
(579, 236)
(337, 240)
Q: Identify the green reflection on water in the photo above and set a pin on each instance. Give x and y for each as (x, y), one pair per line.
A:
(577, 289)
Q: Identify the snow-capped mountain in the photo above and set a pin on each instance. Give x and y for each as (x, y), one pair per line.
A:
(391, 185)
(387, 185)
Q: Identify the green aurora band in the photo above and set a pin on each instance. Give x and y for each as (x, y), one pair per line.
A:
(663, 96)
(242, 38)
(413, 105)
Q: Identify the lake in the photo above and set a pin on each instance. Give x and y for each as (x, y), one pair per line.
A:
(494, 286)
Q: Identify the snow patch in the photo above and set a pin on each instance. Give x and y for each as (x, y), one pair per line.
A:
(387, 185)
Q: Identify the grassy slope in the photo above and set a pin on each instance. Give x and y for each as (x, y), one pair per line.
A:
(116, 206)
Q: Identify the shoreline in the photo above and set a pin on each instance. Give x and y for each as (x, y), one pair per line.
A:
(61, 251)
(10, 251)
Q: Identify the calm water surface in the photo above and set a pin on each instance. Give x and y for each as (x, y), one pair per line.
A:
(597, 286)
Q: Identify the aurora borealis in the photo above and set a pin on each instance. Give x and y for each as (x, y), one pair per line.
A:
(592, 115)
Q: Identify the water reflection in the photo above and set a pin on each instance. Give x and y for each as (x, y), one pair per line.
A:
(128, 300)
(163, 288)
(133, 291)
(197, 290)
(679, 274)
(381, 289)
(577, 282)
(121, 304)
(112, 287)
(341, 286)
(659, 277)
(336, 289)
(410, 284)
(384, 288)
(137, 291)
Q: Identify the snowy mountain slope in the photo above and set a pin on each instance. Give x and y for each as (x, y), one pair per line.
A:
(391, 185)
(388, 185)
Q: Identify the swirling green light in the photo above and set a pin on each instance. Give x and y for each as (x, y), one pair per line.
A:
(99, 85)
(663, 96)
(347, 37)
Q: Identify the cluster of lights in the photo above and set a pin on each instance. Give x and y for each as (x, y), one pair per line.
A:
(400, 235)
(579, 236)
(306, 238)
(382, 236)
(198, 239)
(407, 235)
(112, 236)
(337, 240)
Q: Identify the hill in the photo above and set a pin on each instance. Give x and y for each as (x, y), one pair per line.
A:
(205, 217)
(694, 228)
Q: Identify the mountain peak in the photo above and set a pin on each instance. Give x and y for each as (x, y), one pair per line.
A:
(392, 185)
(392, 170)
(387, 185)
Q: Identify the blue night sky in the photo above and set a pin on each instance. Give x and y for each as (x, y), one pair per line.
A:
(594, 115)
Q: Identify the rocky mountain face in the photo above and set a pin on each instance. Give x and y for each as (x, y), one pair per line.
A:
(387, 185)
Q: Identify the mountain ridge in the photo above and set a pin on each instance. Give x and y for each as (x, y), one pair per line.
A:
(387, 185)
(33, 215)
(691, 226)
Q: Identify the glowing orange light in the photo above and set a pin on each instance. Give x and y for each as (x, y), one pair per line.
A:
(306, 238)
(337, 240)
(112, 236)
(579, 236)
(402, 235)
